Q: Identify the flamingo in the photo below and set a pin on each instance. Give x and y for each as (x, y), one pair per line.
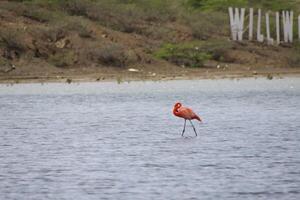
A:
(186, 114)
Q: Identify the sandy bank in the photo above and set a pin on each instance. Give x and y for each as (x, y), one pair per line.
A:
(125, 75)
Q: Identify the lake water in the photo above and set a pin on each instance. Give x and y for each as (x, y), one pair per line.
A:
(120, 141)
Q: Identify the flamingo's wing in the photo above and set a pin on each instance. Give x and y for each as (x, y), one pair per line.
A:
(192, 115)
(186, 113)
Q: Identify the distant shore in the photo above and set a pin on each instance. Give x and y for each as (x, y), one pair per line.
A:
(127, 75)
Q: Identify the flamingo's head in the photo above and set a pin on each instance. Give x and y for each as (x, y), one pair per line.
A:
(177, 105)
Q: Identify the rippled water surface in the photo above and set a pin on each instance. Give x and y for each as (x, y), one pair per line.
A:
(120, 141)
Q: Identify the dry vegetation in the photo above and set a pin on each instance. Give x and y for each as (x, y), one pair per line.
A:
(124, 33)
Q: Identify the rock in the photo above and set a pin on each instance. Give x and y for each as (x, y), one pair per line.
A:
(69, 80)
(152, 73)
(62, 43)
(270, 77)
(133, 70)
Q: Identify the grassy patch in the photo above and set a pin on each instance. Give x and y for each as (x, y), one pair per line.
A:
(205, 25)
(193, 54)
(222, 5)
(275, 5)
(215, 5)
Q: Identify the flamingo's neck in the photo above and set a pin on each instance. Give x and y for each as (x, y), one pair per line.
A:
(175, 109)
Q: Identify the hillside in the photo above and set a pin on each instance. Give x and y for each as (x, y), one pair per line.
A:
(133, 39)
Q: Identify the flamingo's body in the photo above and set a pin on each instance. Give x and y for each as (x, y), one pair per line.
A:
(186, 114)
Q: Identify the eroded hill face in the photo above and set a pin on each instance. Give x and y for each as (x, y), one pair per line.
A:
(53, 37)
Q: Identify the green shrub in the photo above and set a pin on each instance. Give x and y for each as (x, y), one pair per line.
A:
(187, 55)
(193, 54)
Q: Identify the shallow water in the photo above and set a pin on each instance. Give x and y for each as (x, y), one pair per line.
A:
(120, 141)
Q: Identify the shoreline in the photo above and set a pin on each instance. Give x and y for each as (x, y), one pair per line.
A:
(128, 77)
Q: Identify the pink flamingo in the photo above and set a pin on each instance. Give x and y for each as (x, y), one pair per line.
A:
(186, 114)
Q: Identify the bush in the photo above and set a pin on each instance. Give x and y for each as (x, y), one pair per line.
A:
(294, 59)
(63, 58)
(205, 25)
(77, 7)
(112, 54)
(12, 41)
(125, 16)
(76, 24)
(41, 15)
(187, 55)
(48, 33)
(193, 54)
(104, 13)
(62, 29)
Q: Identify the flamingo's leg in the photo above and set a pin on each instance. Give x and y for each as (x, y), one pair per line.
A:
(193, 128)
(183, 127)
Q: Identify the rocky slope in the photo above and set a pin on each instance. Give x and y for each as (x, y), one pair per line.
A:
(108, 39)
